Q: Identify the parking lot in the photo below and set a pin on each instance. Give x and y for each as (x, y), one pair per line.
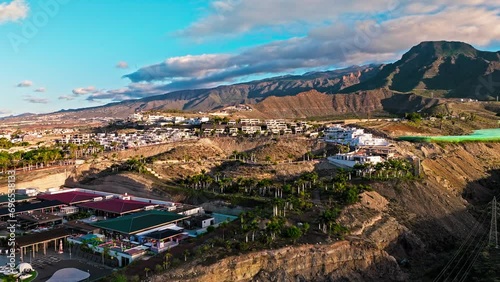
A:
(47, 265)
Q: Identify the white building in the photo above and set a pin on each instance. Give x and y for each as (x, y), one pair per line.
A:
(352, 136)
(30, 192)
(349, 160)
(136, 117)
(153, 118)
(250, 129)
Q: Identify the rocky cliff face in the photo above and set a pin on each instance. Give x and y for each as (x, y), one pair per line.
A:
(331, 262)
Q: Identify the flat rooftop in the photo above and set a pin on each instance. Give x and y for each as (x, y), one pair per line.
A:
(80, 225)
(163, 234)
(39, 217)
(42, 237)
(138, 222)
(32, 207)
(4, 199)
(70, 198)
(116, 206)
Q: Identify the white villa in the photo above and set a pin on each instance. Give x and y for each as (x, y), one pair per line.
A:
(352, 136)
(349, 160)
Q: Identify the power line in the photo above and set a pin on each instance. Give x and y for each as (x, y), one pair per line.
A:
(472, 263)
(464, 254)
(493, 238)
(479, 241)
(466, 242)
(474, 254)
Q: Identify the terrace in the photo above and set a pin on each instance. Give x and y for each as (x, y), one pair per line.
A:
(38, 221)
(123, 251)
(162, 240)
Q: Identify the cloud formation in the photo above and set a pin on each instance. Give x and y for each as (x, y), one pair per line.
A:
(227, 17)
(122, 65)
(25, 83)
(13, 11)
(231, 17)
(40, 90)
(66, 97)
(84, 90)
(366, 37)
(4, 112)
(35, 100)
(132, 91)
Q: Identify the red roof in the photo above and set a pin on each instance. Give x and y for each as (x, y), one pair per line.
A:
(72, 197)
(117, 206)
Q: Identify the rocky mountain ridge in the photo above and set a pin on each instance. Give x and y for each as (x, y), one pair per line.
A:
(429, 70)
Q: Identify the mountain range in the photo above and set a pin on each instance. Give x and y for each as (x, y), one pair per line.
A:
(427, 73)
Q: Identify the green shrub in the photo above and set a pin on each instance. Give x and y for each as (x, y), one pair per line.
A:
(119, 278)
(293, 232)
(415, 117)
(158, 268)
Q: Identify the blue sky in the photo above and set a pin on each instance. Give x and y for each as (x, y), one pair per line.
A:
(59, 54)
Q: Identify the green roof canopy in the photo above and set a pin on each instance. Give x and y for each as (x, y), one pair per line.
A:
(138, 222)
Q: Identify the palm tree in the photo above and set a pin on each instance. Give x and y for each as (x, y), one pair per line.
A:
(223, 226)
(16, 157)
(167, 257)
(253, 226)
(274, 226)
(186, 254)
(147, 270)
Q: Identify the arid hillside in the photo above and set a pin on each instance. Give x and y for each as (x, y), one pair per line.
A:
(404, 230)
(361, 104)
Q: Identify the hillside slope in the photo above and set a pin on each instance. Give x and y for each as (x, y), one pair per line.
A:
(402, 231)
(243, 93)
(360, 104)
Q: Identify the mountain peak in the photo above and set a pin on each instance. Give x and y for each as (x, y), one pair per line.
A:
(443, 49)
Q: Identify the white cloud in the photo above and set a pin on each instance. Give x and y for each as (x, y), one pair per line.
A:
(232, 17)
(25, 83)
(13, 11)
(66, 97)
(35, 100)
(122, 65)
(84, 90)
(40, 89)
(368, 40)
(132, 91)
(4, 112)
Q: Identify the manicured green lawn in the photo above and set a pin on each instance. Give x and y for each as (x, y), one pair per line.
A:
(5, 278)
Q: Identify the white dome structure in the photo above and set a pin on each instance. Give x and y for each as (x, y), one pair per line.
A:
(24, 267)
(69, 275)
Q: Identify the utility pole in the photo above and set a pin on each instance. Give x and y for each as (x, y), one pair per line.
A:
(493, 228)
